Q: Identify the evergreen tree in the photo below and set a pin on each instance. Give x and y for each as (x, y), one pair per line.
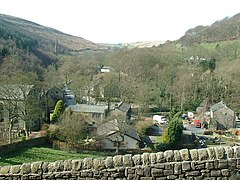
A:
(58, 110)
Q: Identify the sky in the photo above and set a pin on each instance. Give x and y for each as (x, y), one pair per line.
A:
(122, 21)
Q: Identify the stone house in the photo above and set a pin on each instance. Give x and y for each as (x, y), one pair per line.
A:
(222, 117)
(53, 95)
(113, 131)
(97, 112)
(124, 109)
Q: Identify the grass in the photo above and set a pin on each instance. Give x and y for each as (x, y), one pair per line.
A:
(47, 154)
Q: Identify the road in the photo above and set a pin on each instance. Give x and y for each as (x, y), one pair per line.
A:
(195, 130)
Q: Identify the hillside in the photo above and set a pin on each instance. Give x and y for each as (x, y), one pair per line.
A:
(29, 47)
(45, 35)
(222, 30)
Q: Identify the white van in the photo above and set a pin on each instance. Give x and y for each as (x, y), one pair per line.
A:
(159, 119)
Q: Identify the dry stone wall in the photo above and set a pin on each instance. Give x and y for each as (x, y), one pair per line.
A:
(209, 163)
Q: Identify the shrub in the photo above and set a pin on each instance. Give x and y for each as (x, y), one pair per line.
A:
(166, 138)
(143, 126)
(58, 110)
(173, 134)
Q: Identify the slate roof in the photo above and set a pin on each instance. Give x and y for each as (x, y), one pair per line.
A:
(114, 126)
(218, 105)
(87, 108)
(124, 107)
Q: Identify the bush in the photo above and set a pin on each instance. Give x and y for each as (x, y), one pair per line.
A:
(173, 134)
(58, 110)
(143, 126)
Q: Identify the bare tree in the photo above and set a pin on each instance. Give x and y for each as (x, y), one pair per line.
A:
(114, 130)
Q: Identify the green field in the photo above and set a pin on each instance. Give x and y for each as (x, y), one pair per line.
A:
(46, 154)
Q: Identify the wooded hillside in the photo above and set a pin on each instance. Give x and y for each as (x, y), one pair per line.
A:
(204, 64)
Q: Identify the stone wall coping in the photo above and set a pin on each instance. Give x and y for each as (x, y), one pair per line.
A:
(124, 161)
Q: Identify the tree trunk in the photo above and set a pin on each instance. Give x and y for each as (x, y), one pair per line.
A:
(26, 130)
(117, 148)
(10, 131)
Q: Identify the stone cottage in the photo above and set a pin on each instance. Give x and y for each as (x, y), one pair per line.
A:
(222, 117)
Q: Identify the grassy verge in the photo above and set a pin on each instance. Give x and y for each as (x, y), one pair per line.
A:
(47, 154)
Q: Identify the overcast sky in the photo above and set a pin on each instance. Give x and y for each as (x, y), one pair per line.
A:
(121, 21)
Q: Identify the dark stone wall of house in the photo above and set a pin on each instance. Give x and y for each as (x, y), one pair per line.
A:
(224, 118)
(8, 148)
(209, 163)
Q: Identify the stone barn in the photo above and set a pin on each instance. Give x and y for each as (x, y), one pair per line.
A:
(222, 117)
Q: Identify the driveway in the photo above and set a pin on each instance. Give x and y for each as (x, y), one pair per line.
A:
(195, 130)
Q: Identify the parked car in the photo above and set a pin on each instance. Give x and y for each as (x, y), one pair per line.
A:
(159, 119)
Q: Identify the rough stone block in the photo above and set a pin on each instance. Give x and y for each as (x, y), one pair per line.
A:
(211, 153)
(117, 161)
(236, 152)
(45, 167)
(58, 166)
(137, 159)
(76, 165)
(172, 177)
(232, 163)
(185, 154)
(167, 172)
(229, 151)
(156, 172)
(131, 176)
(194, 154)
(238, 163)
(169, 156)
(87, 163)
(223, 164)
(177, 168)
(99, 164)
(145, 159)
(147, 172)
(198, 178)
(109, 162)
(36, 167)
(127, 160)
(153, 158)
(177, 155)
(15, 169)
(139, 171)
(220, 152)
(168, 166)
(129, 170)
(5, 169)
(193, 173)
(26, 168)
(202, 154)
(225, 172)
(200, 165)
(161, 178)
(215, 173)
(193, 165)
(222, 178)
(146, 178)
(67, 165)
(86, 173)
(160, 157)
(159, 166)
(210, 165)
(186, 166)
